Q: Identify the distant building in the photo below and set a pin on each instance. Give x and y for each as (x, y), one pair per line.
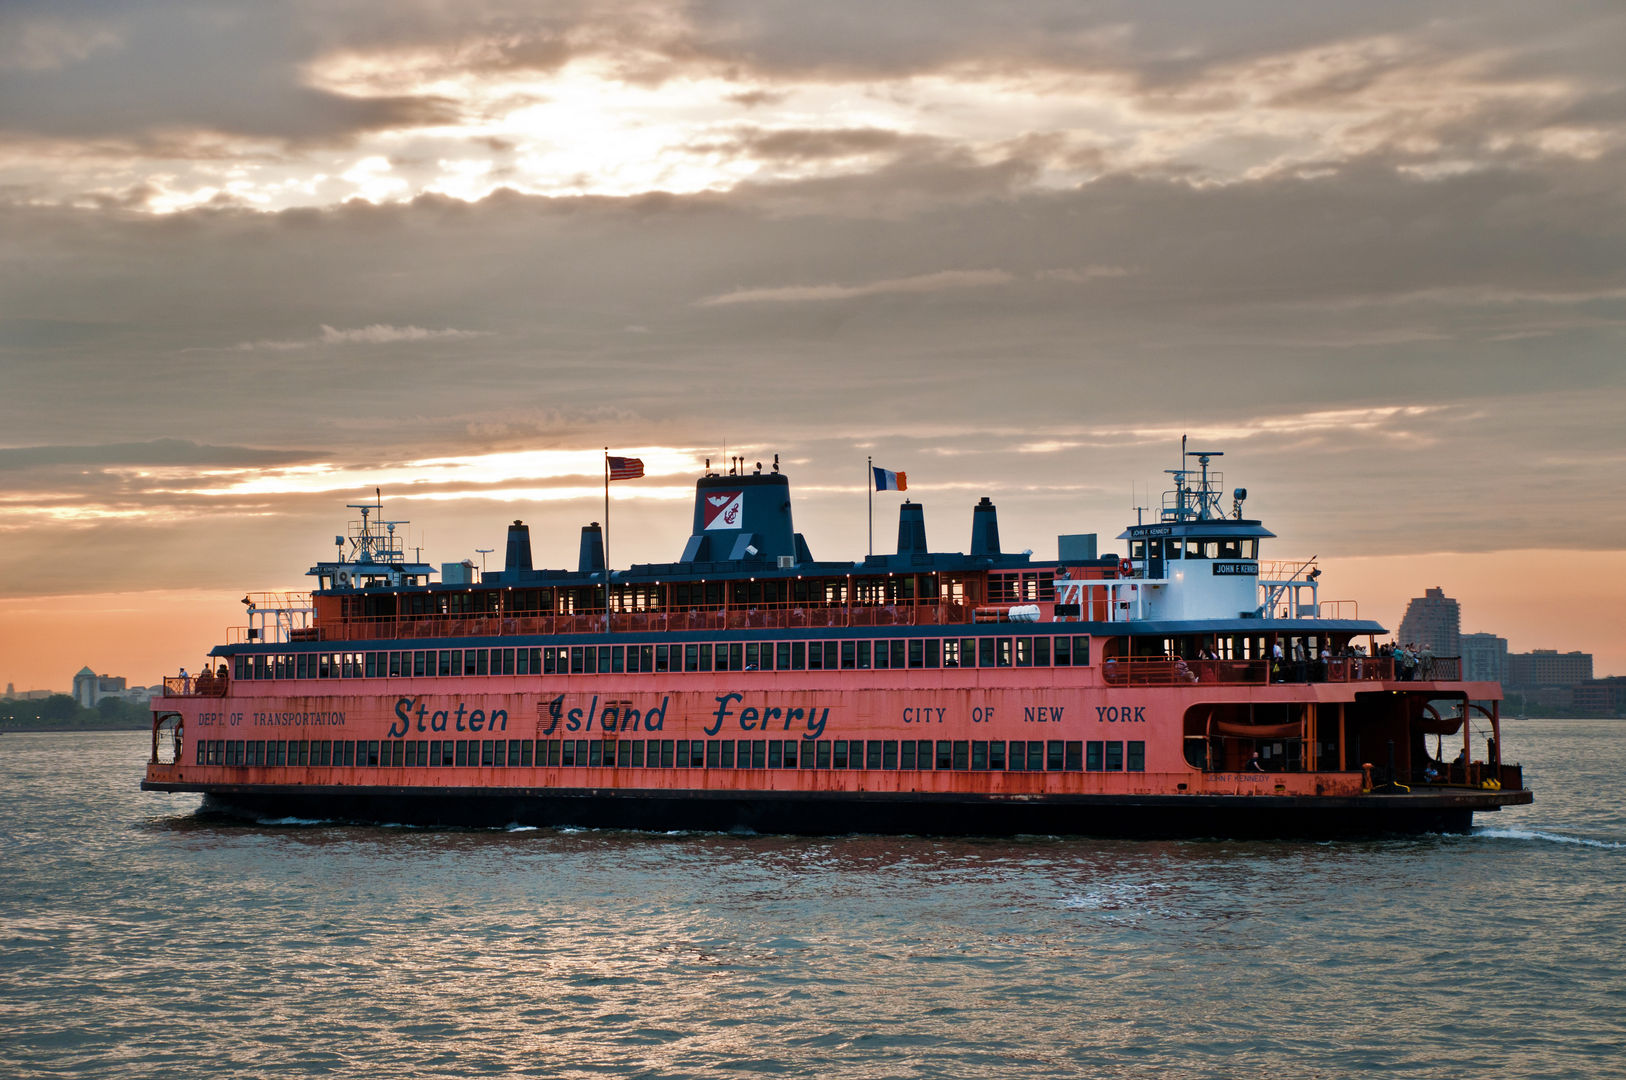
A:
(89, 688)
(1601, 697)
(1435, 620)
(1484, 658)
(1548, 667)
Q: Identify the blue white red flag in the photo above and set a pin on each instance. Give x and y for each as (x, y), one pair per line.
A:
(886, 480)
(626, 468)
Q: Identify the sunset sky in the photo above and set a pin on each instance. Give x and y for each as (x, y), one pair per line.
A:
(259, 259)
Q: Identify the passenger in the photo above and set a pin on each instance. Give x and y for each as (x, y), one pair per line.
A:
(1254, 764)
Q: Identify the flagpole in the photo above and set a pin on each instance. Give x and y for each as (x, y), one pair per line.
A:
(606, 539)
(869, 487)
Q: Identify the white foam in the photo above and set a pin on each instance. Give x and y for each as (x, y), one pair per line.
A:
(1536, 834)
(521, 828)
(294, 821)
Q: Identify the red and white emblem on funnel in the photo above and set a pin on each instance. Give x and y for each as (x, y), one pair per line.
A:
(725, 509)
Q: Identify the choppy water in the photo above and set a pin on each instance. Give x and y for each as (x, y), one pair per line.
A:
(138, 939)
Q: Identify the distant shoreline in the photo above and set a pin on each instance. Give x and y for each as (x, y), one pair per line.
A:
(35, 729)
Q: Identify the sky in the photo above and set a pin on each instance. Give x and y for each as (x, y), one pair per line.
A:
(257, 260)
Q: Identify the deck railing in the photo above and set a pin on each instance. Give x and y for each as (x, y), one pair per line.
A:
(763, 617)
(203, 685)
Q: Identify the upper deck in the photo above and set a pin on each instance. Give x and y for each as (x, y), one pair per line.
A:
(747, 572)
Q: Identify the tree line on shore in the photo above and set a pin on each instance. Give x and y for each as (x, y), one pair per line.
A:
(62, 712)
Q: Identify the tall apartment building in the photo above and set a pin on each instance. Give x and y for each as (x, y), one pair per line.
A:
(1435, 620)
(1484, 658)
(1548, 667)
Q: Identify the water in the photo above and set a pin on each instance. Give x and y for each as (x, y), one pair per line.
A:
(138, 939)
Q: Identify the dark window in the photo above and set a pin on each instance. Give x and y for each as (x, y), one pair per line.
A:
(945, 754)
(682, 761)
(1053, 759)
(1075, 757)
(962, 754)
(1035, 755)
(906, 759)
(1064, 652)
(776, 754)
(1136, 757)
(714, 753)
(759, 754)
(987, 649)
(806, 754)
(996, 755)
(823, 753)
(1081, 651)
(880, 654)
(841, 754)
(595, 754)
(1092, 756)
(848, 651)
(637, 753)
(872, 754)
(933, 646)
(1115, 756)
(889, 757)
(668, 753)
(979, 755)
(554, 752)
(728, 754)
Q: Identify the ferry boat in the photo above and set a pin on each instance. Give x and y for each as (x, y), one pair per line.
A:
(1180, 685)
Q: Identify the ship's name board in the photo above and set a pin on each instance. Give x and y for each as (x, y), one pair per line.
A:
(1225, 569)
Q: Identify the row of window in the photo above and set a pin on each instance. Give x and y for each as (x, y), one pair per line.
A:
(1054, 755)
(702, 656)
(1232, 547)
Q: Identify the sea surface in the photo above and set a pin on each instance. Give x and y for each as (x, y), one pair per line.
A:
(141, 939)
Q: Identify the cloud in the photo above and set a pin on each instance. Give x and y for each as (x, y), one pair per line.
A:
(920, 283)
(152, 452)
(376, 334)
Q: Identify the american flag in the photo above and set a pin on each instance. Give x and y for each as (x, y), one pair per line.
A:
(626, 468)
